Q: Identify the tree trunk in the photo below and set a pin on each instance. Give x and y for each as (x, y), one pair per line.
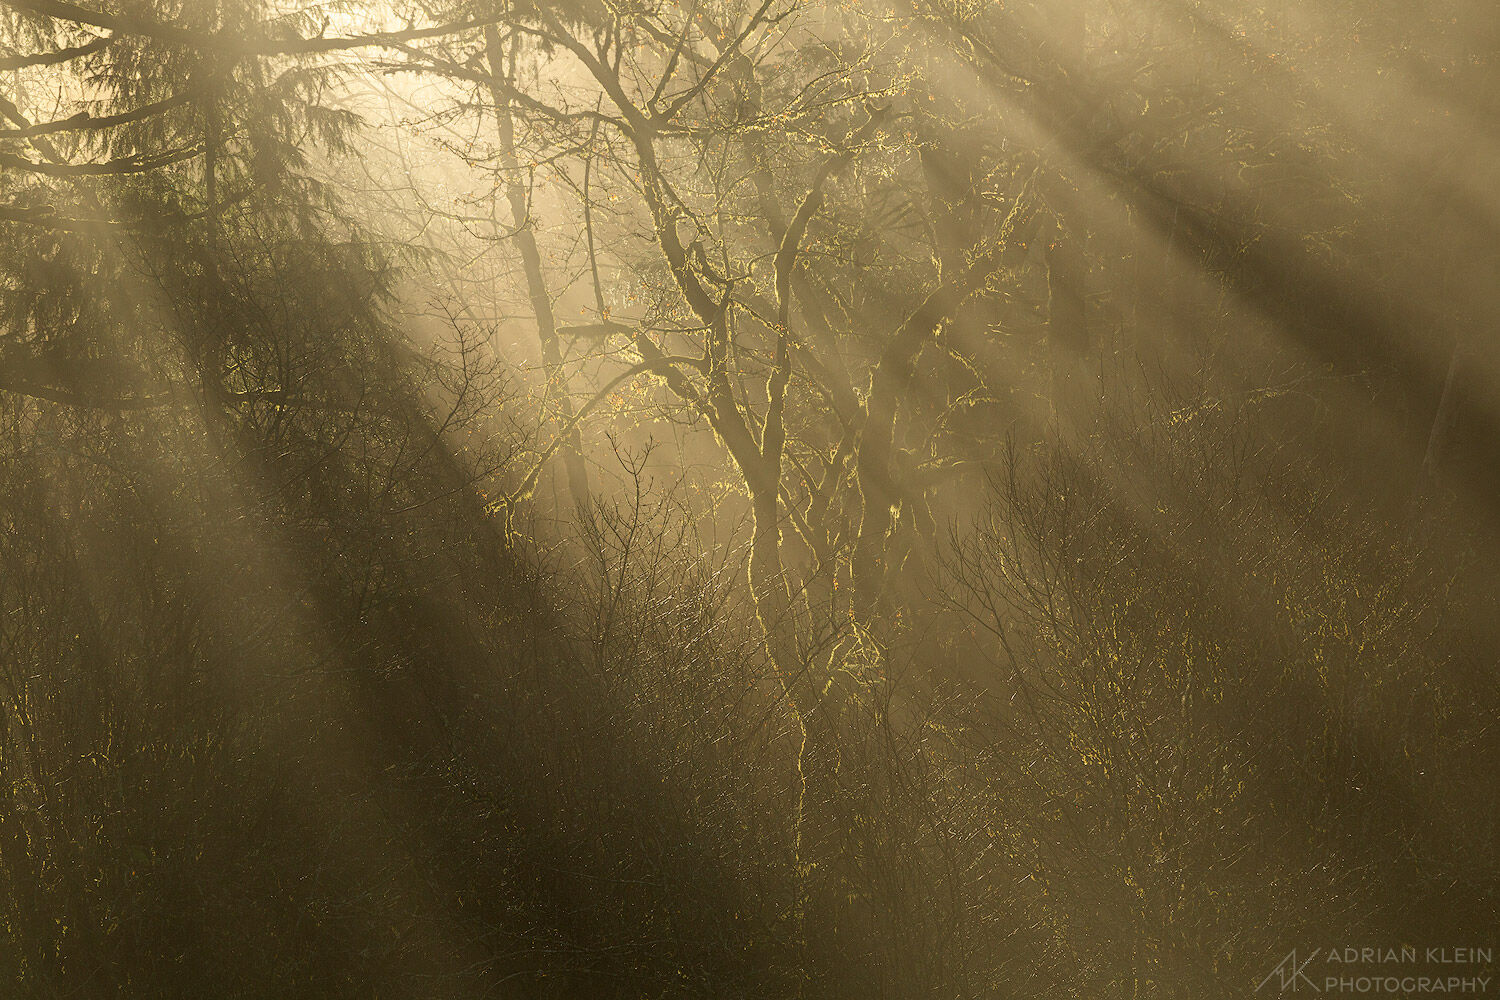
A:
(1442, 420)
(536, 283)
(1067, 329)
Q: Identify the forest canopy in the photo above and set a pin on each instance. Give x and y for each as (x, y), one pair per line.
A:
(645, 498)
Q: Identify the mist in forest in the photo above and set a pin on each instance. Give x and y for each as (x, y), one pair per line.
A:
(782, 498)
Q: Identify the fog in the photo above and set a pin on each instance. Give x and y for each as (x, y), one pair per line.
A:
(887, 498)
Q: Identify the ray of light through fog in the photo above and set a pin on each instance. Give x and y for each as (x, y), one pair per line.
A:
(748, 498)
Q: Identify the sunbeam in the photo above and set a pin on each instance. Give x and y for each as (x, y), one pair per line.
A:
(748, 498)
